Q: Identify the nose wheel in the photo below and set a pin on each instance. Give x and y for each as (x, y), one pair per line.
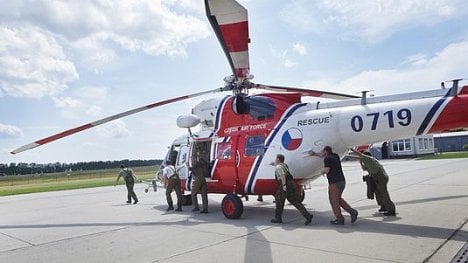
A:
(232, 206)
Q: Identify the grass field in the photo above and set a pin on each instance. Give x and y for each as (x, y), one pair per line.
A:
(24, 184)
(447, 155)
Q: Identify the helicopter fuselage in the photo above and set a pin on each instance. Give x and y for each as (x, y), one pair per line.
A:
(241, 135)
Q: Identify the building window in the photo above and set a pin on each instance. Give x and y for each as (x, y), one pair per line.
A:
(254, 145)
(408, 145)
(401, 145)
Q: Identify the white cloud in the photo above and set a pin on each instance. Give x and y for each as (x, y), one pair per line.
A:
(289, 64)
(32, 63)
(92, 92)
(94, 111)
(300, 49)
(422, 74)
(370, 20)
(282, 57)
(10, 131)
(114, 129)
(149, 26)
(66, 102)
(33, 37)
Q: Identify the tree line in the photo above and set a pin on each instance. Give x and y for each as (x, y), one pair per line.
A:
(35, 168)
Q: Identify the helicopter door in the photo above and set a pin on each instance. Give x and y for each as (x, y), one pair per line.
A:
(181, 161)
(225, 162)
(201, 150)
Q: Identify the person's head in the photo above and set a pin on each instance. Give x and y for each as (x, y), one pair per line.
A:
(279, 158)
(327, 150)
(366, 153)
(122, 166)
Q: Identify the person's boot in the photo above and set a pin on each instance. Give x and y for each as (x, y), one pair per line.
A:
(390, 213)
(382, 209)
(354, 215)
(276, 220)
(179, 209)
(308, 220)
(170, 208)
(337, 222)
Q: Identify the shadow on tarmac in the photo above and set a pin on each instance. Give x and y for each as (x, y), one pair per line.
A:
(291, 216)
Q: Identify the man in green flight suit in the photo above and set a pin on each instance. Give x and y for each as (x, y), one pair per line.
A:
(200, 170)
(286, 190)
(378, 173)
(130, 178)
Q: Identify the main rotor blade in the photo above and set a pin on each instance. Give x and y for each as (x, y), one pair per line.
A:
(307, 92)
(107, 119)
(229, 20)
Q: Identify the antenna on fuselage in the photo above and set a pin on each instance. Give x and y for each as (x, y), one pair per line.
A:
(364, 96)
(454, 89)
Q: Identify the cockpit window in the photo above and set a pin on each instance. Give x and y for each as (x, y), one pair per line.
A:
(261, 108)
(258, 107)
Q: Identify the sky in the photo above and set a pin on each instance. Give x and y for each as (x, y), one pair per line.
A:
(67, 63)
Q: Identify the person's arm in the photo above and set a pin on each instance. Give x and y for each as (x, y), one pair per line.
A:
(312, 153)
(134, 175)
(165, 179)
(326, 165)
(283, 181)
(360, 154)
(282, 175)
(325, 170)
(117, 181)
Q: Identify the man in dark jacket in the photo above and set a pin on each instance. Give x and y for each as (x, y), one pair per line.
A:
(336, 185)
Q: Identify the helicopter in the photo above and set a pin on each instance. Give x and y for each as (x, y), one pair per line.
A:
(240, 134)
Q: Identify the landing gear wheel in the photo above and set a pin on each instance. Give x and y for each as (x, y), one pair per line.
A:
(302, 194)
(232, 206)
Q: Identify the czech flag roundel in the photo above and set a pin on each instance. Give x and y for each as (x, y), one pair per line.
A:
(292, 139)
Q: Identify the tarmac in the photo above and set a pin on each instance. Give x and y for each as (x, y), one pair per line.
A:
(96, 225)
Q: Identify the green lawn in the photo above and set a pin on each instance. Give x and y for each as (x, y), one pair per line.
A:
(447, 155)
(24, 184)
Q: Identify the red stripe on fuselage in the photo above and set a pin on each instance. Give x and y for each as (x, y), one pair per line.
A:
(236, 36)
(463, 91)
(454, 116)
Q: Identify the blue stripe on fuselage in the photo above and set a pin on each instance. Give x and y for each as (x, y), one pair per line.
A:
(431, 113)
